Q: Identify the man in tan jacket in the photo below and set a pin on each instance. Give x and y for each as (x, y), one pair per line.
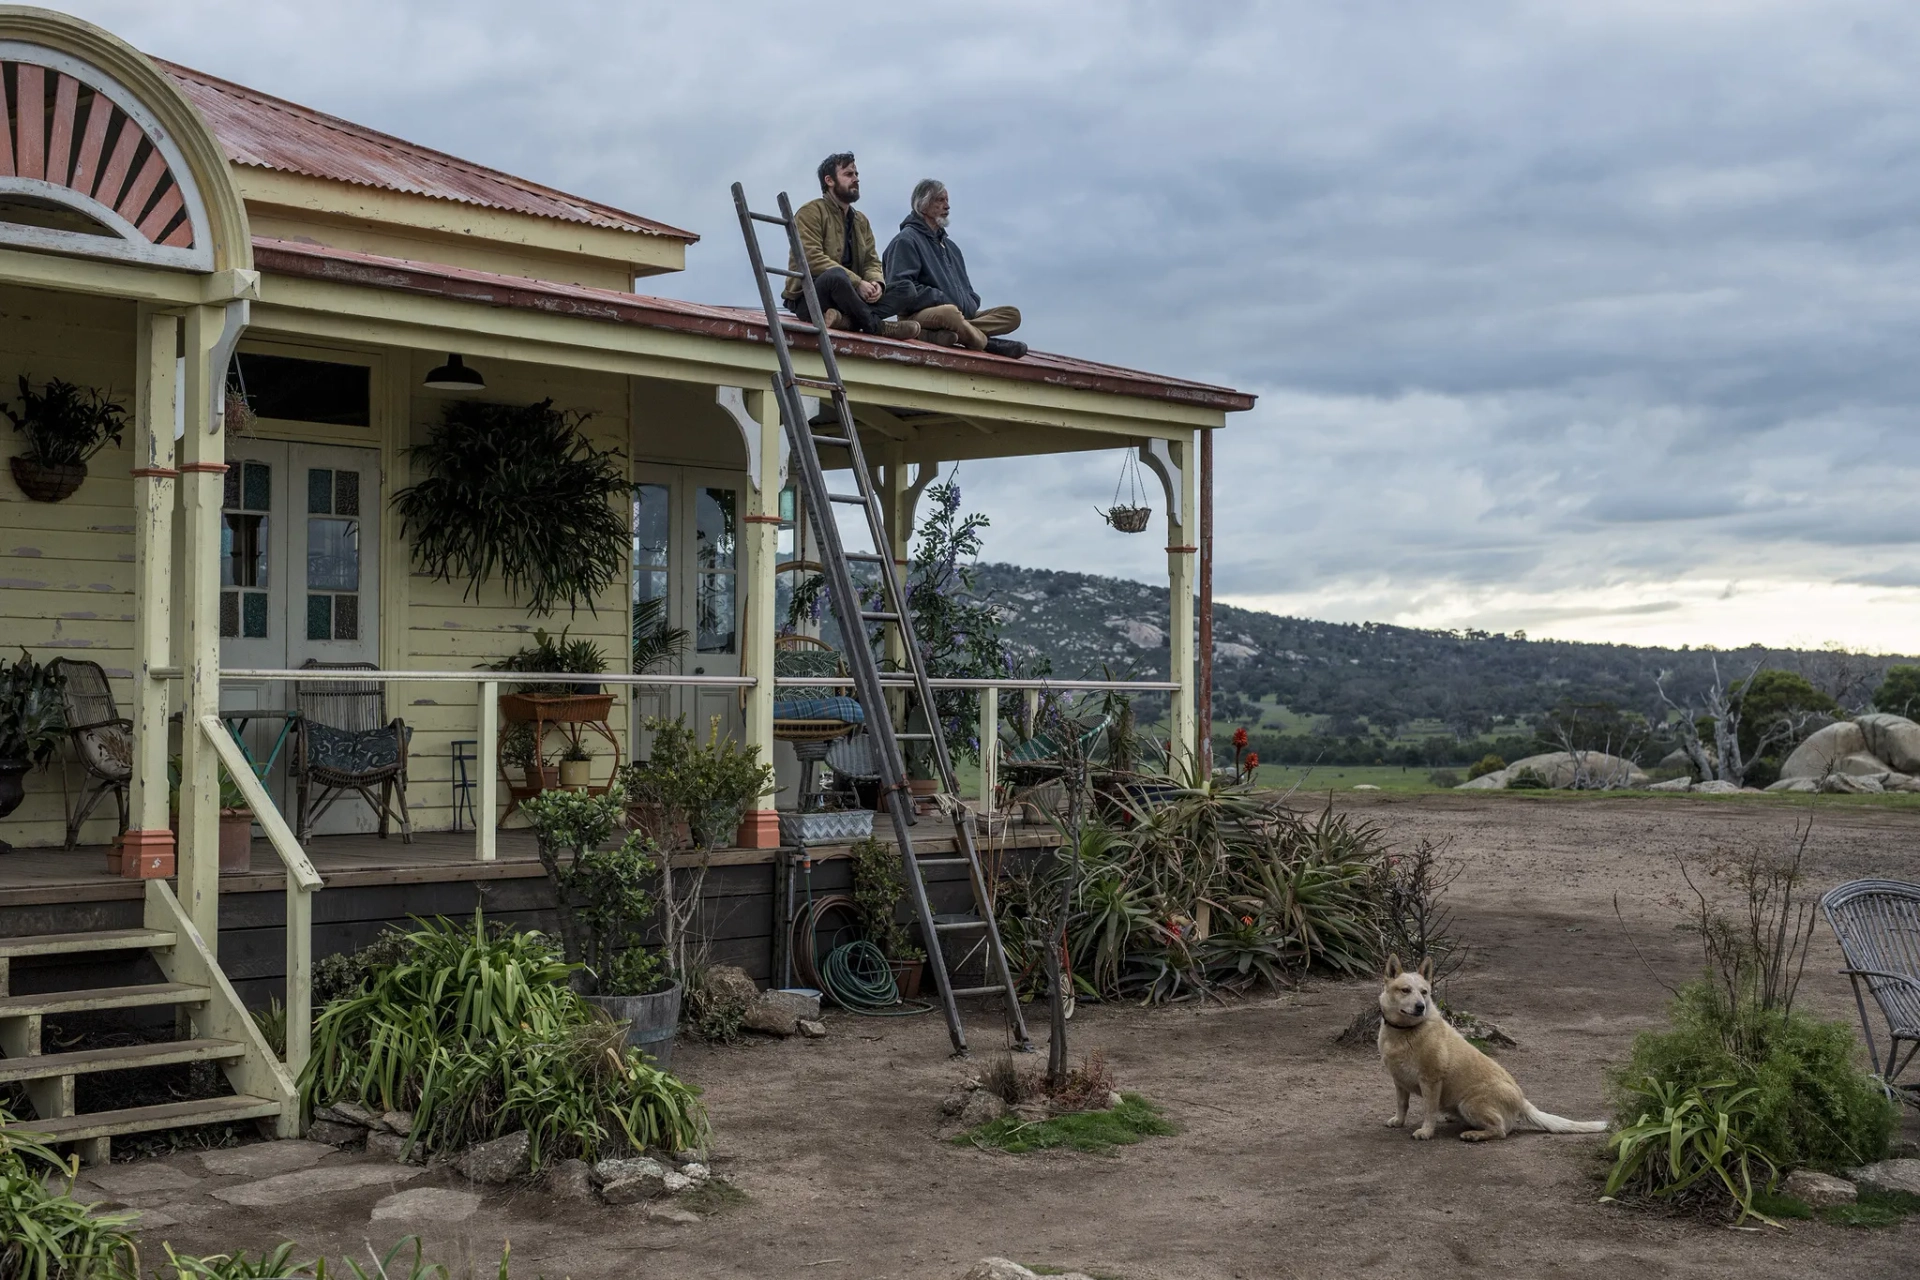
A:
(843, 258)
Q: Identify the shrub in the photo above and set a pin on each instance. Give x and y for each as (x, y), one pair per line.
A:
(600, 895)
(1486, 764)
(717, 1013)
(879, 880)
(480, 1034)
(1445, 779)
(1809, 1104)
(1691, 1142)
(45, 1233)
(347, 973)
(1526, 780)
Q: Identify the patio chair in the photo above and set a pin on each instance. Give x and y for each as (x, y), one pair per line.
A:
(1039, 758)
(811, 718)
(102, 739)
(343, 744)
(1877, 923)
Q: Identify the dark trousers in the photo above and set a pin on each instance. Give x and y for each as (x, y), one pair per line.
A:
(837, 289)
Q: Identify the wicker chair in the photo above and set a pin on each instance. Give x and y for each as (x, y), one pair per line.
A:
(102, 739)
(1877, 923)
(345, 743)
(811, 718)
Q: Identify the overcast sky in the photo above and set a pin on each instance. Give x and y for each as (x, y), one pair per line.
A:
(1596, 319)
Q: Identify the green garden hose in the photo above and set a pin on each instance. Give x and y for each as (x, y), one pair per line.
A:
(858, 977)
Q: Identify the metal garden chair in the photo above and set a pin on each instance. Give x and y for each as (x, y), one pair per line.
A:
(1877, 923)
(345, 744)
(102, 738)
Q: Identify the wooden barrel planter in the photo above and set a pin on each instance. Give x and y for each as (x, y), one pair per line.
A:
(651, 1021)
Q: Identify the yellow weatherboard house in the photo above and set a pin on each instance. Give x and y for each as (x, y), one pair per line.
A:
(288, 306)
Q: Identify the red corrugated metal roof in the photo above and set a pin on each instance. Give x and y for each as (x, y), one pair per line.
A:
(318, 262)
(270, 133)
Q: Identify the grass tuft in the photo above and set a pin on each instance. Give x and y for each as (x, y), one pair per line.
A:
(1093, 1131)
(711, 1197)
(1874, 1208)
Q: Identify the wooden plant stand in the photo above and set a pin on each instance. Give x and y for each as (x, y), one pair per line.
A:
(546, 711)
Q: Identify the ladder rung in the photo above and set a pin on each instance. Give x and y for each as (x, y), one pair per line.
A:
(943, 862)
(913, 737)
(767, 217)
(960, 993)
(880, 615)
(819, 384)
(782, 271)
(866, 557)
(852, 499)
(838, 442)
(956, 926)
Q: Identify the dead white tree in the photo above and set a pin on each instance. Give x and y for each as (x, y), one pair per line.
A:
(1584, 731)
(1722, 705)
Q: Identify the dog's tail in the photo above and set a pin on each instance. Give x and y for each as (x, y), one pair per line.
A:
(1560, 1124)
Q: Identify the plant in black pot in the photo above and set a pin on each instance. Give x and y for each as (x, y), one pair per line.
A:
(31, 726)
(604, 904)
(64, 425)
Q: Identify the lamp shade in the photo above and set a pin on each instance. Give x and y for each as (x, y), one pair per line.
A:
(454, 376)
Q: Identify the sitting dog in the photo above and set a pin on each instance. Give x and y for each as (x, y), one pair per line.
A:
(1422, 1053)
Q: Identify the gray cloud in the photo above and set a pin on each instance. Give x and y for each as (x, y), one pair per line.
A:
(1541, 297)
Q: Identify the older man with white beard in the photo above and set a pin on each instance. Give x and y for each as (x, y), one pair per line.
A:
(926, 272)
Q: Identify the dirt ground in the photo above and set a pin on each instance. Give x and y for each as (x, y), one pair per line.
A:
(1281, 1167)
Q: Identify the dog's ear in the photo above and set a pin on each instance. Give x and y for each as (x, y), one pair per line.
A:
(1393, 966)
(1426, 968)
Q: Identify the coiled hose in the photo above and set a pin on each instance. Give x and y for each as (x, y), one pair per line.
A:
(855, 975)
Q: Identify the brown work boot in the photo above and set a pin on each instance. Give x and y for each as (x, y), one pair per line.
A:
(941, 337)
(902, 330)
(834, 319)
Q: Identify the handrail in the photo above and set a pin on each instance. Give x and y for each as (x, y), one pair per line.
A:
(483, 676)
(302, 880)
(299, 867)
(976, 682)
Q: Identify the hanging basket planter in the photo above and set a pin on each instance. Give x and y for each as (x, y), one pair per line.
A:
(1132, 515)
(47, 481)
(237, 411)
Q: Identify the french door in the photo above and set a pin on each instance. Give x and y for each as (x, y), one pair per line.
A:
(687, 575)
(299, 579)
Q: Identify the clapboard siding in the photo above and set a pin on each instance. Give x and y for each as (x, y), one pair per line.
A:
(66, 568)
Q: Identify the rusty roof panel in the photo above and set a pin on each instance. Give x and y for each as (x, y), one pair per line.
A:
(742, 324)
(270, 133)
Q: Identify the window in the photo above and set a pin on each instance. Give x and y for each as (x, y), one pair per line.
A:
(333, 554)
(714, 533)
(244, 534)
(306, 390)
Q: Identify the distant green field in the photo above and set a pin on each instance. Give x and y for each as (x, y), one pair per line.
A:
(1345, 777)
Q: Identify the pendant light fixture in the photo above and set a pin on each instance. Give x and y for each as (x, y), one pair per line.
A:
(455, 376)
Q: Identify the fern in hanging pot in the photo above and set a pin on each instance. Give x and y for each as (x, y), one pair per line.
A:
(64, 425)
(518, 492)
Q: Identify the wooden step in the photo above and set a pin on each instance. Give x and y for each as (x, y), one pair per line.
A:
(103, 998)
(59, 944)
(169, 1115)
(44, 1066)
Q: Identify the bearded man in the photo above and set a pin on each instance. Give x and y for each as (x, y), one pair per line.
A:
(846, 268)
(927, 274)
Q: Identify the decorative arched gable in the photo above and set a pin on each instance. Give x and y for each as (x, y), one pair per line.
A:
(101, 156)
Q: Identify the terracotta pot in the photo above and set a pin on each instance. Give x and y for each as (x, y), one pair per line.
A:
(556, 708)
(47, 481)
(236, 842)
(542, 777)
(576, 773)
(906, 976)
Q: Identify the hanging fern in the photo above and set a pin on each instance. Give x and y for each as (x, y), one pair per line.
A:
(517, 490)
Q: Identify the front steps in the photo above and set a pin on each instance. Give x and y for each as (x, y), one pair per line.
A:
(222, 1032)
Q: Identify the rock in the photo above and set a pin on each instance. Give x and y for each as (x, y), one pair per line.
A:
(1894, 739)
(1861, 764)
(998, 1269)
(392, 1146)
(1820, 1190)
(674, 1182)
(1847, 784)
(262, 1159)
(428, 1204)
(777, 1013)
(730, 984)
(1903, 1149)
(1485, 782)
(570, 1180)
(614, 1170)
(640, 1186)
(811, 1028)
(314, 1185)
(1716, 788)
(347, 1113)
(1889, 1175)
(953, 1104)
(124, 1180)
(496, 1162)
(1817, 755)
(1676, 759)
(1673, 784)
(335, 1134)
(1591, 769)
(1113, 1100)
(1365, 786)
(689, 1156)
(696, 1173)
(982, 1107)
(669, 1214)
(400, 1122)
(1795, 784)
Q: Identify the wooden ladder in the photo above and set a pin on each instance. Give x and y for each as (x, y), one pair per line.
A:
(807, 441)
(222, 1032)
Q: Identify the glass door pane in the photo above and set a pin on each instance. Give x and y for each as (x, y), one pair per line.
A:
(652, 573)
(716, 597)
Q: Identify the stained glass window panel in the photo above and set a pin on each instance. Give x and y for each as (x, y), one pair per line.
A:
(254, 614)
(256, 486)
(319, 617)
(319, 491)
(230, 495)
(229, 613)
(346, 493)
(346, 617)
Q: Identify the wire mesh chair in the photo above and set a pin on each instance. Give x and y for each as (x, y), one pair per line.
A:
(101, 736)
(1877, 923)
(345, 744)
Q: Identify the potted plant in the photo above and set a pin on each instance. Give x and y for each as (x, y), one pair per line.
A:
(64, 426)
(517, 748)
(576, 766)
(554, 701)
(604, 905)
(236, 828)
(878, 882)
(31, 726)
(709, 786)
